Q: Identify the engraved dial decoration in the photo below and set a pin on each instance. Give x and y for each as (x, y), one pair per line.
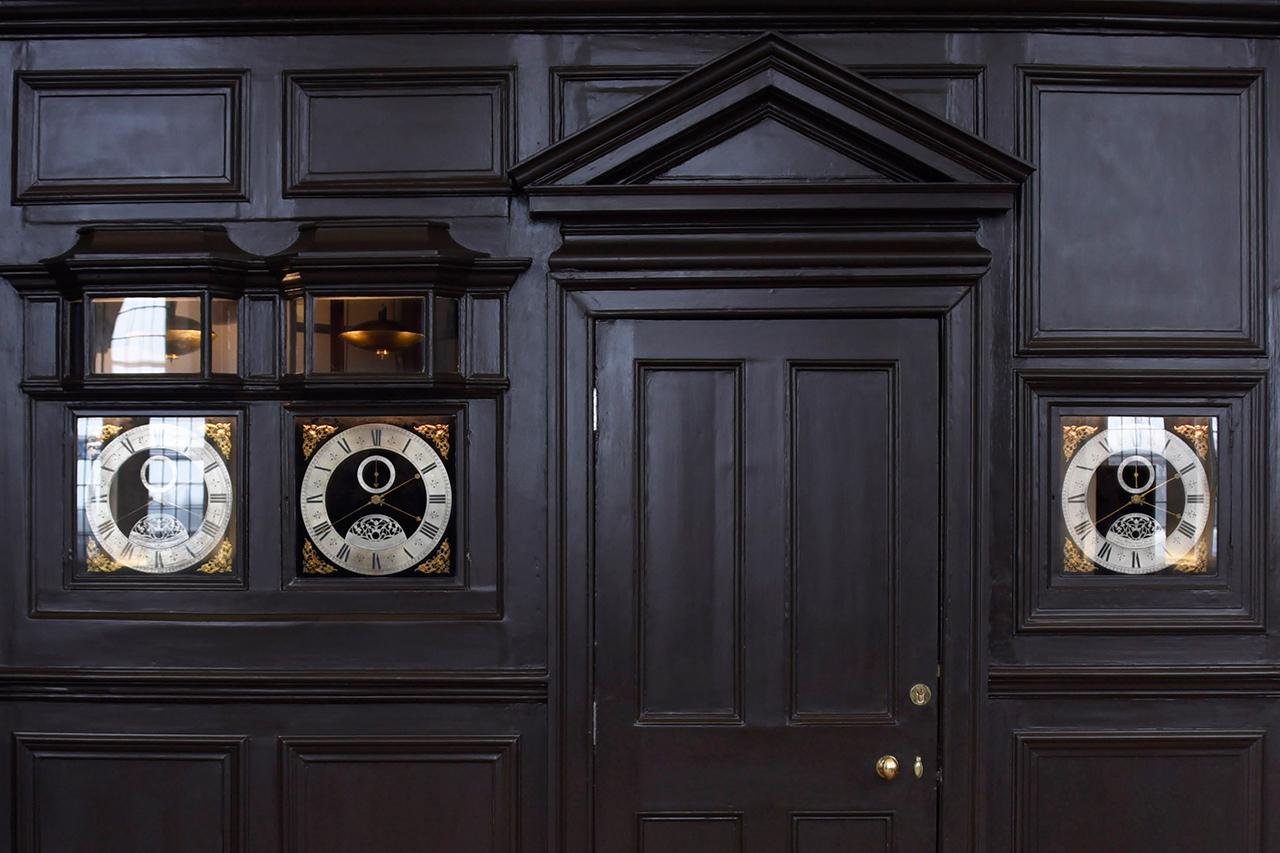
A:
(375, 499)
(1136, 497)
(159, 499)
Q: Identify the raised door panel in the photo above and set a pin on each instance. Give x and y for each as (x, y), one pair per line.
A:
(842, 833)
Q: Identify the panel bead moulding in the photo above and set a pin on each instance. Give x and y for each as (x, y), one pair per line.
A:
(1125, 252)
(155, 134)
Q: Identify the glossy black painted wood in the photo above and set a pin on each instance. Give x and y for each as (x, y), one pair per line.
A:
(1148, 124)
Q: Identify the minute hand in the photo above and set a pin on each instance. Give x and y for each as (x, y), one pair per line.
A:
(1138, 498)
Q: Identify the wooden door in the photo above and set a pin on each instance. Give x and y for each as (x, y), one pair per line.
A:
(766, 540)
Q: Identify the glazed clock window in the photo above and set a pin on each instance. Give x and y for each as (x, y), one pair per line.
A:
(369, 335)
(1137, 495)
(155, 496)
(139, 335)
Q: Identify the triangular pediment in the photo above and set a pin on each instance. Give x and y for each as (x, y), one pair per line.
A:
(770, 113)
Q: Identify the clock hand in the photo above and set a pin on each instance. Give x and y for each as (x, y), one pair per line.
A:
(380, 499)
(390, 505)
(1137, 499)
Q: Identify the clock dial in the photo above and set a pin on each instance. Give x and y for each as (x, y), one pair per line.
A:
(159, 499)
(375, 499)
(1136, 501)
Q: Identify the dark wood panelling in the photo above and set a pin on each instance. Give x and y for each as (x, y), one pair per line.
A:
(841, 833)
(706, 833)
(380, 133)
(457, 793)
(156, 135)
(1144, 792)
(1133, 681)
(581, 95)
(125, 793)
(843, 431)
(1143, 230)
(1231, 600)
(690, 435)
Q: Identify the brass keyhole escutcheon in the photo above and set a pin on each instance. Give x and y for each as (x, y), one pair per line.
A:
(887, 767)
(919, 766)
(921, 694)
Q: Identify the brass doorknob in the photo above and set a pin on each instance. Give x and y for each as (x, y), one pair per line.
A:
(887, 767)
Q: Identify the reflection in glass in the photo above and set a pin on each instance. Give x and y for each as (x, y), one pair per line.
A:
(147, 334)
(298, 336)
(1138, 494)
(223, 342)
(369, 335)
(445, 335)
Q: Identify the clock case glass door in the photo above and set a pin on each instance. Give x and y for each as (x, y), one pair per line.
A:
(1136, 495)
(156, 499)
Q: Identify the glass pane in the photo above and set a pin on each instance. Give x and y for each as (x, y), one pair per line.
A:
(369, 335)
(298, 336)
(225, 336)
(147, 334)
(445, 338)
(1138, 495)
(155, 496)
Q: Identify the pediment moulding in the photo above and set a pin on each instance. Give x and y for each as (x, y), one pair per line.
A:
(801, 132)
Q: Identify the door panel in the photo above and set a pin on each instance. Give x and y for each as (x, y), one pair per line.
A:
(765, 583)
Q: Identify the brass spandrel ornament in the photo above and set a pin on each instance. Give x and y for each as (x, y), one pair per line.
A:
(437, 434)
(313, 563)
(439, 564)
(1074, 561)
(1197, 435)
(221, 561)
(97, 562)
(1073, 435)
(1196, 561)
(218, 433)
(313, 435)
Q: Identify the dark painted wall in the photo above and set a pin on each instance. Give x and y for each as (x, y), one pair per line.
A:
(1137, 257)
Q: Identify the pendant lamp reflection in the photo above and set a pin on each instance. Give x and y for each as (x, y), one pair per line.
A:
(382, 336)
(181, 334)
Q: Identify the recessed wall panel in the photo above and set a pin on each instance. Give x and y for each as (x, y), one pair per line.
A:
(690, 444)
(689, 832)
(842, 833)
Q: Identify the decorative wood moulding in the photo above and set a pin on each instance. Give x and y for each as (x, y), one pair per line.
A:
(1177, 248)
(835, 141)
(210, 771)
(211, 685)
(157, 134)
(1132, 681)
(398, 132)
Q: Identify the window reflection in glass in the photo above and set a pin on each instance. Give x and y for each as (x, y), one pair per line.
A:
(147, 334)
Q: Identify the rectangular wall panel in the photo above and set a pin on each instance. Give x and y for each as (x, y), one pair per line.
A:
(843, 503)
(690, 444)
(124, 794)
(705, 833)
(155, 135)
(399, 793)
(842, 833)
(1144, 228)
(1145, 792)
(398, 132)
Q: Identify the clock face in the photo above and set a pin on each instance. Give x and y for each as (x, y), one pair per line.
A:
(1137, 499)
(375, 499)
(159, 498)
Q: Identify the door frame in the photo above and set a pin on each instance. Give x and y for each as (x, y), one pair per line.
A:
(580, 299)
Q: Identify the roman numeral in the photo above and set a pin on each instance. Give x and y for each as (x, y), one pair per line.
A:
(108, 469)
(1102, 442)
(1083, 527)
(344, 552)
(407, 442)
(127, 444)
(407, 553)
(106, 527)
(1195, 499)
(99, 498)
(189, 551)
(1184, 471)
(1076, 499)
(315, 499)
(377, 562)
(1186, 528)
(323, 529)
(209, 468)
(1135, 560)
(209, 528)
(377, 437)
(322, 468)
(342, 442)
(430, 467)
(128, 551)
(431, 529)
(218, 498)
(436, 499)
(1105, 551)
